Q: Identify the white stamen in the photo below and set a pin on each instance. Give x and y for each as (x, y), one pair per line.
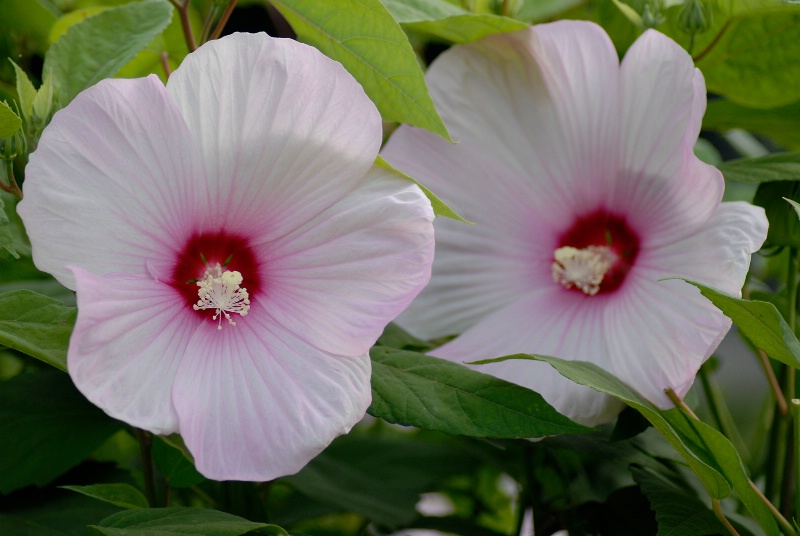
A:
(222, 292)
(583, 268)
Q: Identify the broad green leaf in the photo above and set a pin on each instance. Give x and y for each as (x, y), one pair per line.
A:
(415, 389)
(28, 17)
(447, 21)
(47, 427)
(99, 46)
(354, 473)
(9, 121)
(678, 513)
(708, 442)
(439, 207)
(63, 513)
(171, 521)
(394, 336)
(25, 91)
(754, 60)
(784, 228)
(363, 36)
(598, 379)
(760, 322)
(176, 468)
(122, 495)
(36, 325)
(769, 168)
(781, 123)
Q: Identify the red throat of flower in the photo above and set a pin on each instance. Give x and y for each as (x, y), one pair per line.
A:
(595, 254)
(217, 273)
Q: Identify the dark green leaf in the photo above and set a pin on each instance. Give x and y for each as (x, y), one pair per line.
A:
(363, 36)
(46, 427)
(414, 389)
(394, 336)
(122, 495)
(782, 123)
(36, 325)
(784, 228)
(447, 21)
(678, 513)
(173, 521)
(176, 468)
(9, 121)
(593, 376)
(773, 167)
(100, 45)
(439, 207)
(6, 236)
(754, 60)
(760, 322)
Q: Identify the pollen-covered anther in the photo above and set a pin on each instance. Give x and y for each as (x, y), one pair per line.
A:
(222, 292)
(583, 268)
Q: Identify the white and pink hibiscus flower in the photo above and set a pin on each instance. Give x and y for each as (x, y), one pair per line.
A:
(234, 250)
(580, 175)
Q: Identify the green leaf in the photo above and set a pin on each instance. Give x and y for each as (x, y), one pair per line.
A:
(363, 36)
(122, 495)
(415, 389)
(172, 521)
(598, 379)
(36, 325)
(769, 168)
(176, 468)
(47, 427)
(6, 236)
(394, 336)
(540, 10)
(784, 228)
(781, 123)
(677, 512)
(447, 21)
(10, 122)
(99, 46)
(25, 91)
(754, 60)
(439, 207)
(760, 322)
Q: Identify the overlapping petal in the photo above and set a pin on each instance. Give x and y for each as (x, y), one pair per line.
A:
(284, 131)
(260, 402)
(117, 179)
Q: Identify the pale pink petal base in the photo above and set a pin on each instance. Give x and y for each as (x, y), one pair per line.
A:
(128, 341)
(256, 402)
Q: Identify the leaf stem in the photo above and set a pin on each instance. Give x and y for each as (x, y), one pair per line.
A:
(785, 526)
(12, 186)
(223, 20)
(774, 385)
(165, 63)
(787, 488)
(183, 13)
(715, 505)
(146, 448)
(680, 403)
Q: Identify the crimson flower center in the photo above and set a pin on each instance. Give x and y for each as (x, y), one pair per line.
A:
(595, 254)
(217, 274)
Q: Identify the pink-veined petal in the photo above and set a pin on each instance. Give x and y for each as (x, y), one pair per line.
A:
(554, 322)
(338, 280)
(116, 179)
(256, 402)
(128, 341)
(666, 191)
(285, 132)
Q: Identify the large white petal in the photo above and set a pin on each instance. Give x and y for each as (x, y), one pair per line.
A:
(285, 131)
(116, 181)
(663, 188)
(256, 402)
(555, 322)
(128, 341)
(339, 279)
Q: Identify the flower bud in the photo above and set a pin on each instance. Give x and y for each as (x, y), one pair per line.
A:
(695, 17)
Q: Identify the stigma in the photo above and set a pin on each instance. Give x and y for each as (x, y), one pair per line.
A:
(582, 268)
(222, 292)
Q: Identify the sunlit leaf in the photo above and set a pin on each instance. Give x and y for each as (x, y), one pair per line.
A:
(164, 521)
(10, 122)
(36, 325)
(414, 389)
(769, 168)
(46, 428)
(122, 495)
(363, 36)
(100, 45)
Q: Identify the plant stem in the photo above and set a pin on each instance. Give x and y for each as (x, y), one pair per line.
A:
(680, 403)
(12, 186)
(146, 448)
(724, 520)
(787, 488)
(183, 13)
(223, 20)
(165, 63)
(774, 385)
(710, 398)
(787, 528)
(796, 419)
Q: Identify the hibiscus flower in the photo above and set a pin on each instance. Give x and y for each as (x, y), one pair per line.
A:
(234, 251)
(580, 175)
